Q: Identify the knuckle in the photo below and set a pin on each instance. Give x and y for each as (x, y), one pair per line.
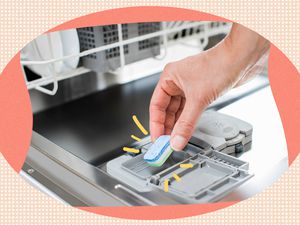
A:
(168, 68)
(171, 113)
(156, 106)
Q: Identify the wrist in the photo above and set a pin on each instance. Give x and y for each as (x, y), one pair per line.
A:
(244, 47)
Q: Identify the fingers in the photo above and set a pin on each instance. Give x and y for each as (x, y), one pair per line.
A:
(179, 111)
(185, 124)
(171, 113)
(159, 103)
(162, 106)
(165, 102)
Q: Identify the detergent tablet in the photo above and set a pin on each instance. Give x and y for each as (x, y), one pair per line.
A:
(159, 151)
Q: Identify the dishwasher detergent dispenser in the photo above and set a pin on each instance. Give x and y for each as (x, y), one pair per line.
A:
(212, 173)
(224, 133)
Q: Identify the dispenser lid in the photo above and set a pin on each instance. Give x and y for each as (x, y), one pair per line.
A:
(220, 130)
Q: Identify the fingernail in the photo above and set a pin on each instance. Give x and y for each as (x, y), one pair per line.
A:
(178, 143)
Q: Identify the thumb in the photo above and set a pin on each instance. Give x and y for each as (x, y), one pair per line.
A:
(185, 125)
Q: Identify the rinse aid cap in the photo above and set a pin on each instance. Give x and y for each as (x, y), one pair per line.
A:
(159, 151)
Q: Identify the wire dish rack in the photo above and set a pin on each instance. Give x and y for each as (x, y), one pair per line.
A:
(109, 60)
(143, 47)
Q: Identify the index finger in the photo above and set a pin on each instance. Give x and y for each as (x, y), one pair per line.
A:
(159, 103)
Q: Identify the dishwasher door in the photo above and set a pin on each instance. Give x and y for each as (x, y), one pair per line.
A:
(72, 143)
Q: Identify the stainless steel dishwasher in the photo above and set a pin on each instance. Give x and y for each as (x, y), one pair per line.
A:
(78, 133)
(76, 151)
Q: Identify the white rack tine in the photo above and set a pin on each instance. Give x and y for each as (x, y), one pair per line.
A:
(50, 67)
(206, 36)
(121, 47)
(165, 41)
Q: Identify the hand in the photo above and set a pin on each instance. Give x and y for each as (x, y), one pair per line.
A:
(188, 86)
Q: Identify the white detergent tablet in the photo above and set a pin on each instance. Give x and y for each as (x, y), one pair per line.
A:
(159, 151)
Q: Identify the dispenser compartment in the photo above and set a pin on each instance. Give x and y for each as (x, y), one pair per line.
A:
(207, 181)
(140, 168)
(135, 171)
(214, 173)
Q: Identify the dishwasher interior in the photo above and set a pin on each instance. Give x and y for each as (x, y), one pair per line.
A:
(78, 133)
(83, 139)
